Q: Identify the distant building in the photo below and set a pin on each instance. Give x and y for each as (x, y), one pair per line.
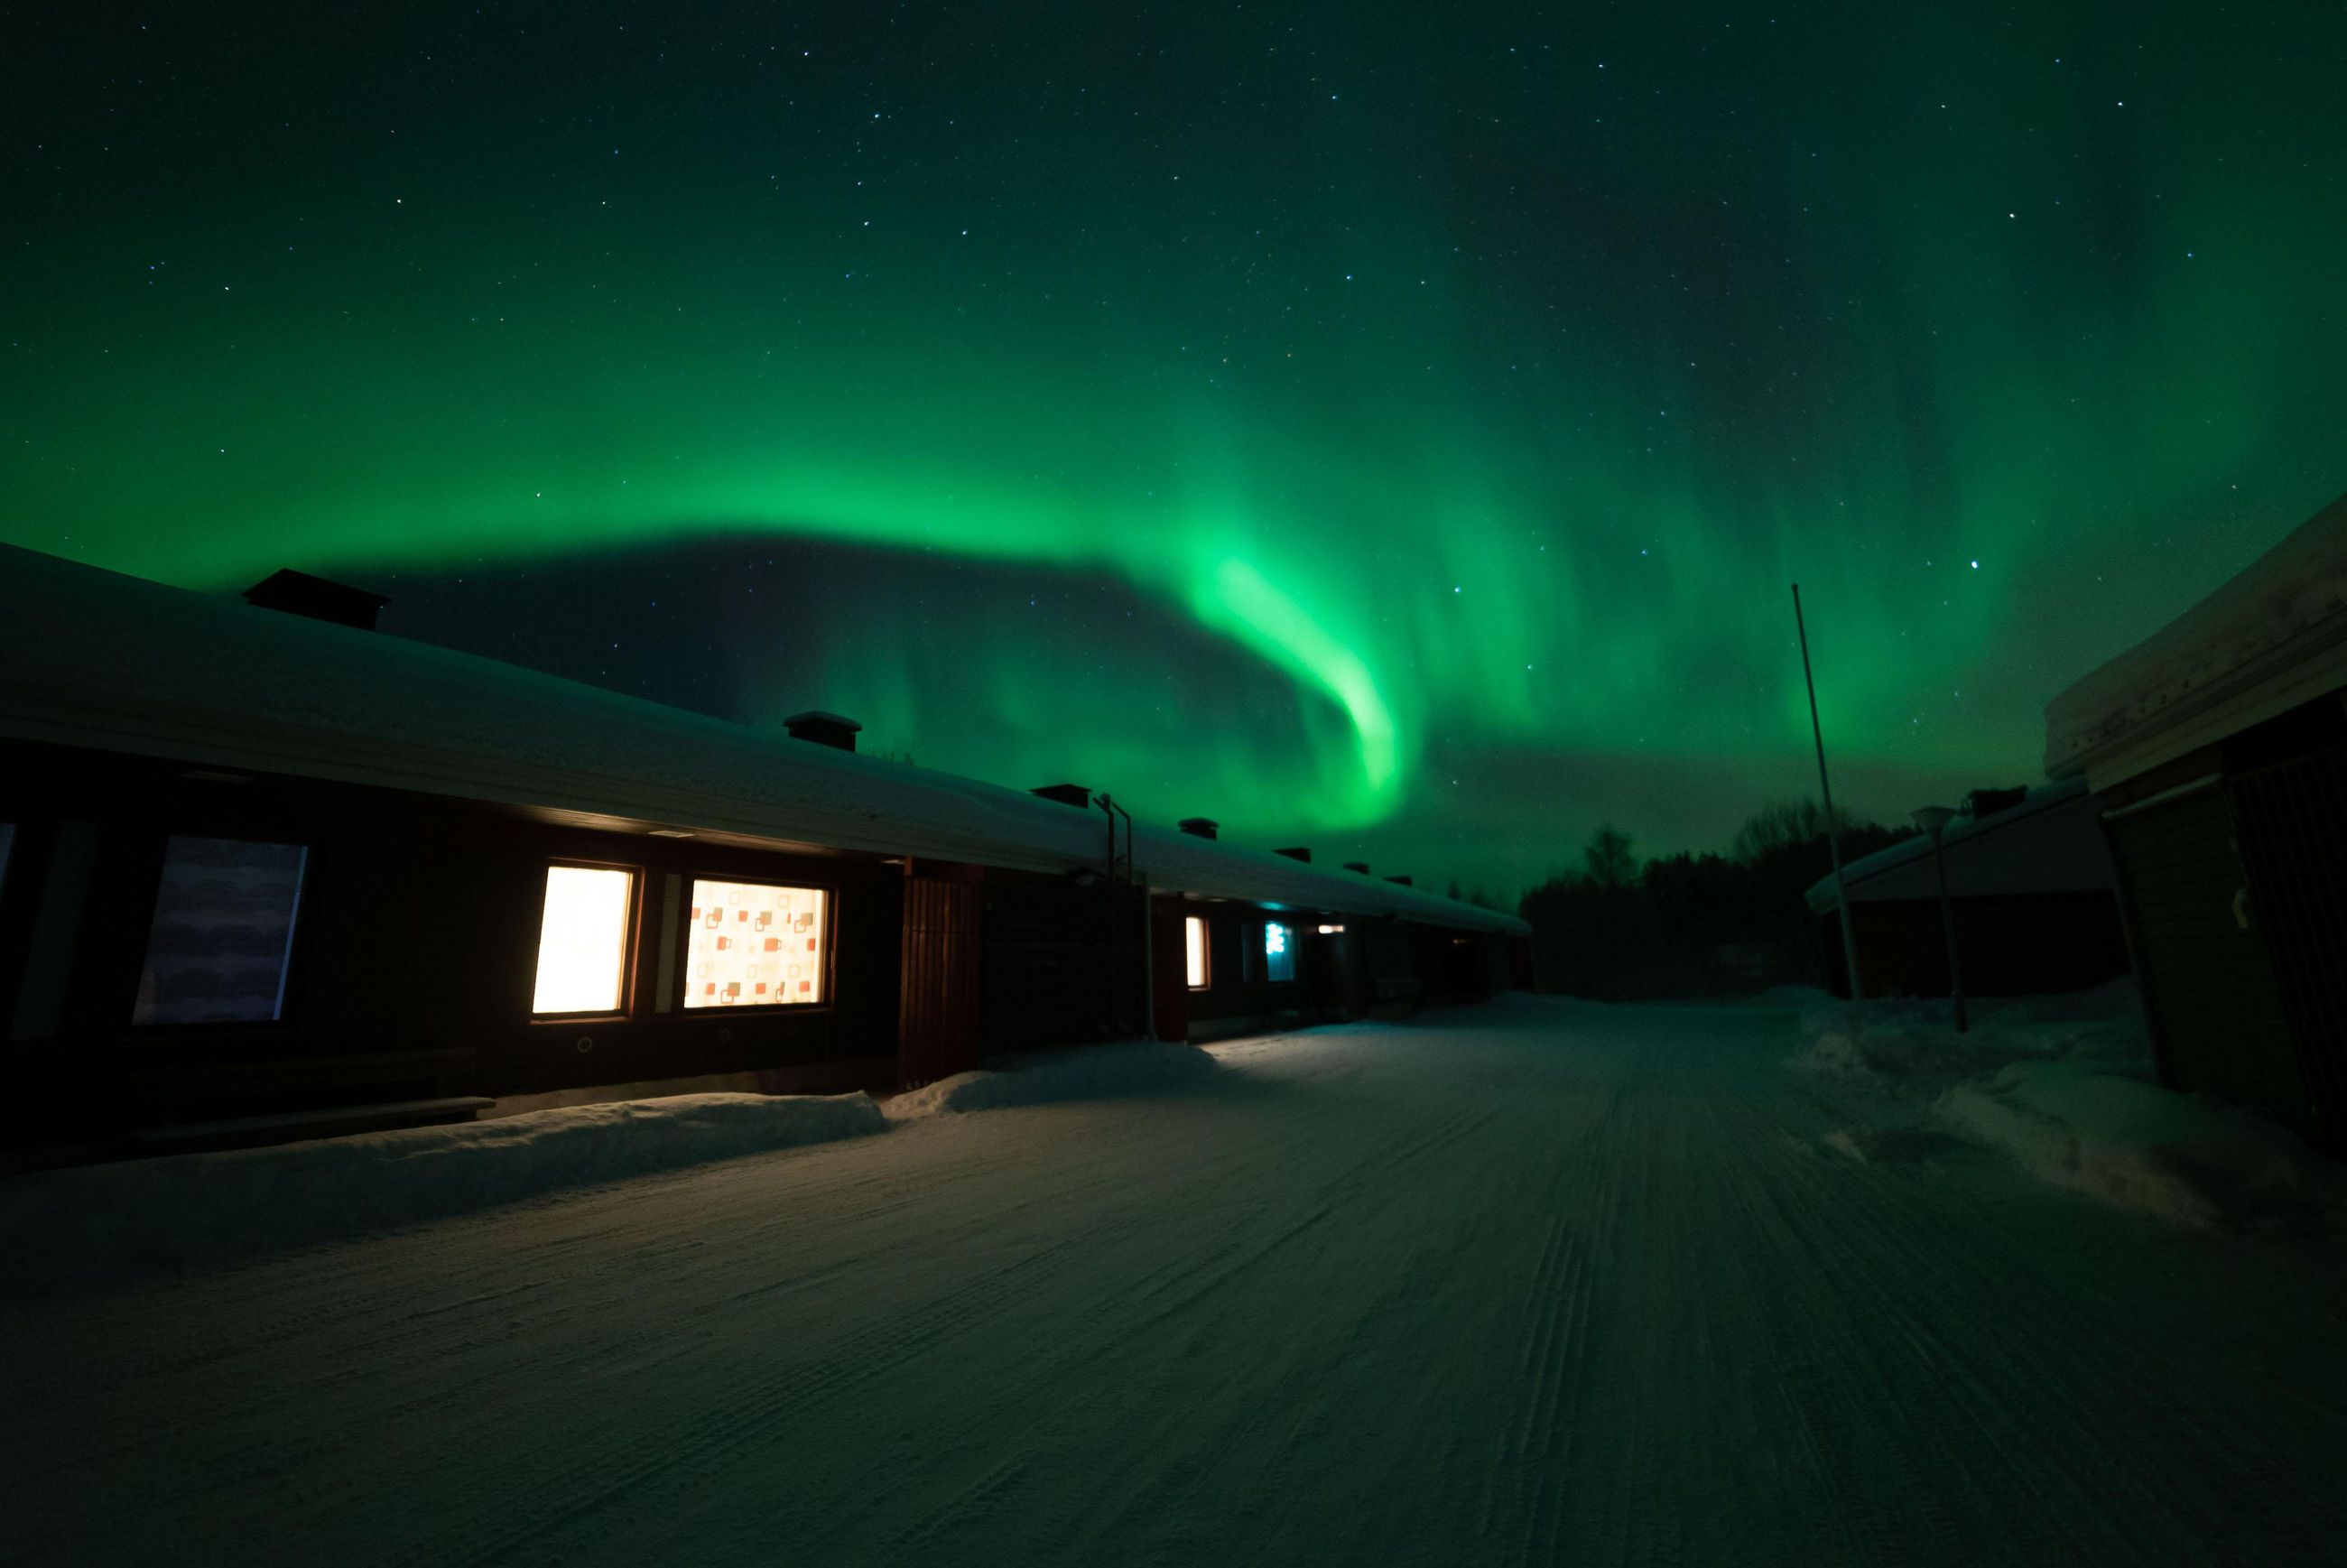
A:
(2215, 751)
(2031, 886)
(266, 872)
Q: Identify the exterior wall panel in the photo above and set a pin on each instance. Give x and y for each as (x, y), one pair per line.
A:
(2292, 823)
(2208, 987)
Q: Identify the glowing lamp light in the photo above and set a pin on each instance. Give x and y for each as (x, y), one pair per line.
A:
(1332, 930)
(1275, 939)
(582, 941)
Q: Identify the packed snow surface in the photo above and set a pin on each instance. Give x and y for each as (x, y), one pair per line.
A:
(1540, 1282)
(116, 1222)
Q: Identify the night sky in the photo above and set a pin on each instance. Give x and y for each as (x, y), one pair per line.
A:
(1390, 428)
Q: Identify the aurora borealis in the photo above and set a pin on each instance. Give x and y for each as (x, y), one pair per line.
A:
(1388, 429)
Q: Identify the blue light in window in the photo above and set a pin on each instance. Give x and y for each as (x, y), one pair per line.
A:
(1278, 953)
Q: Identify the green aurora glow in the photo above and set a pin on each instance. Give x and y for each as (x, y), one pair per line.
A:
(1482, 378)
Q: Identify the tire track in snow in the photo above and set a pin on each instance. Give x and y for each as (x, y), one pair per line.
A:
(1567, 1285)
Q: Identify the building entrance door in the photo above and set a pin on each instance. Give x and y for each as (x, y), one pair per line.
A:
(937, 1013)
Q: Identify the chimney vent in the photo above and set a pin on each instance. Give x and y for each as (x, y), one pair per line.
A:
(1401, 881)
(1200, 826)
(1989, 801)
(1297, 853)
(299, 593)
(824, 729)
(1074, 795)
(1360, 865)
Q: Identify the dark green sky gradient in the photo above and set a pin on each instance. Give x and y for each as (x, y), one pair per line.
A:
(1272, 418)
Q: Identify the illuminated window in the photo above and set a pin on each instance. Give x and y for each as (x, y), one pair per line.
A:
(582, 940)
(222, 932)
(1194, 936)
(1278, 952)
(755, 945)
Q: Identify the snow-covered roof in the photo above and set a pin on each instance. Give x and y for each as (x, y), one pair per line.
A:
(94, 658)
(2273, 636)
(2048, 843)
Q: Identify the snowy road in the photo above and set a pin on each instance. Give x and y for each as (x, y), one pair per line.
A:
(1535, 1283)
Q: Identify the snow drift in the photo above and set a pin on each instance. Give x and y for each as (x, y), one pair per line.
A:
(2063, 1086)
(1910, 1047)
(106, 1223)
(1084, 1073)
(2180, 1156)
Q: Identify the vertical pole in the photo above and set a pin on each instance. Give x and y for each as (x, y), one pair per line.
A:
(1948, 929)
(1833, 830)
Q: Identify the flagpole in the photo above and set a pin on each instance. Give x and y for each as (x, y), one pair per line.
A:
(1833, 830)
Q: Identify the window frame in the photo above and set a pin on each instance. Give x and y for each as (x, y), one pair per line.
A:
(630, 925)
(1206, 981)
(150, 852)
(681, 947)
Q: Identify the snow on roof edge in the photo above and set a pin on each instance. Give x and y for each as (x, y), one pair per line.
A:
(2288, 606)
(99, 659)
(1962, 830)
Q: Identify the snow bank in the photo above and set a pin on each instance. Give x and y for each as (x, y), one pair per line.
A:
(1910, 1048)
(103, 1224)
(1084, 1073)
(2063, 1087)
(2180, 1156)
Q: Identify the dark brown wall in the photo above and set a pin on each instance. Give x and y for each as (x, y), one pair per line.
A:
(1063, 963)
(414, 952)
(2023, 946)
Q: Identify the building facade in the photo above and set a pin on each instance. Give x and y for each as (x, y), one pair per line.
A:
(2030, 888)
(266, 871)
(2215, 753)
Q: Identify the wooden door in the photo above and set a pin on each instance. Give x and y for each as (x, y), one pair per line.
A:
(937, 1015)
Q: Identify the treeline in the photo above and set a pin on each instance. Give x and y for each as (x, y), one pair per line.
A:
(1693, 925)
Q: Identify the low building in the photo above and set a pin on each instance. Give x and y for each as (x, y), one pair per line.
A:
(2030, 886)
(2216, 752)
(264, 869)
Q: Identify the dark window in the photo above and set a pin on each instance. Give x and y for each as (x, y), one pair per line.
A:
(222, 932)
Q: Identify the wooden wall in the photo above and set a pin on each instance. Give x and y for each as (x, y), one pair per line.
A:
(414, 958)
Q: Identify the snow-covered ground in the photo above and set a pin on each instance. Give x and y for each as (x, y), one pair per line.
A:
(116, 1224)
(1537, 1282)
(2064, 1086)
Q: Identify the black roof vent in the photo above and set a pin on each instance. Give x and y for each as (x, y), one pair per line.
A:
(824, 729)
(1200, 826)
(1298, 853)
(1989, 801)
(1077, 795)
(1360, 865)
(299, 593)
(1404, 881)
